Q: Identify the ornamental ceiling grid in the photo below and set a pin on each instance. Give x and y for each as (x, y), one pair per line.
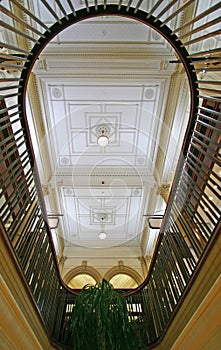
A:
(75, 123)
(82, 214)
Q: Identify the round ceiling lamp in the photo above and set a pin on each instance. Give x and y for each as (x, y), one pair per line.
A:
(103, 140)
(103, 132)
(102, 217)
(102, 235)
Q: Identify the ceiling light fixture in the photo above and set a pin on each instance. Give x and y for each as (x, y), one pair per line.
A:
(102, 217)
(102, 235)
(103, 141)
(103, 133)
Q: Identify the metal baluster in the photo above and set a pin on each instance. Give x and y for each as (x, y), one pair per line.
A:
(158, 3)
(129, 5)
(34, 236)
(169, 246)
(202, 27)
(179, 250)
(166, 307)
(200, 38)
(211, 111)
(198, 190)
(171, 3)
(209, 53)
(19, 20)
(193, 213)
(197, 18)
(87, 5)
(36, 268)
(5, 88)
(96, 4)
(175, 13)
(191, 261)
(9, 95)
(15, 48)
(138, 5)
(210, 98)
(61, 8)
(17, 31)
(153, 307)
(71, 7)
(193, 164)
(50, 9)
(212, 91)
(34, 255)
(167, 276)
(30, 14)
(150, 326)
(195, 243)
(158, 294)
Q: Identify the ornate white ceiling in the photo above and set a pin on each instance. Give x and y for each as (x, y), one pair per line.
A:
(114, 72)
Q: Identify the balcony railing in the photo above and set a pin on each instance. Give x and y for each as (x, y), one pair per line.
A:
(193, 212)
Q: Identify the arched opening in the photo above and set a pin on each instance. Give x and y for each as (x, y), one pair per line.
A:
(120, 280)
(81, 280)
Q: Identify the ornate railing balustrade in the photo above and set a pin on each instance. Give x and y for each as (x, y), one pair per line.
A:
(192, 217)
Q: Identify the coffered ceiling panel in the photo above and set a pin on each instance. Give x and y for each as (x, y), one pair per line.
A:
(132, 113)
(85, 209)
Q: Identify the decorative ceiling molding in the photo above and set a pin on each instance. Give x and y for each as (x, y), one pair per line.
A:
(130, 53)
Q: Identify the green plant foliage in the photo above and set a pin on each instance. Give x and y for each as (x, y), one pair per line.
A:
(100, 320)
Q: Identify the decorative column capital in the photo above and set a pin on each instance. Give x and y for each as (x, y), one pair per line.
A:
(62, 259)
(164, 191)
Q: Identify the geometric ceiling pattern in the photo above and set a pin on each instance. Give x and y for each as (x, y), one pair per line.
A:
(133, 116)
(111, 72)
(119, 205)
(130, 112)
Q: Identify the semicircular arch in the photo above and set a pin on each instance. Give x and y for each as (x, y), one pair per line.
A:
(80, 270)
(126, 270)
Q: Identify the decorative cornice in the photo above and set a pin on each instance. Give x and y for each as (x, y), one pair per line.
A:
(127, 51)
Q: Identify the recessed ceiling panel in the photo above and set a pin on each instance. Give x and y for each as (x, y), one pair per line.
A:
(133, 123)
(84, 208)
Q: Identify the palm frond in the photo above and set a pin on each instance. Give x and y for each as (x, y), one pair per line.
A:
(100, 320)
